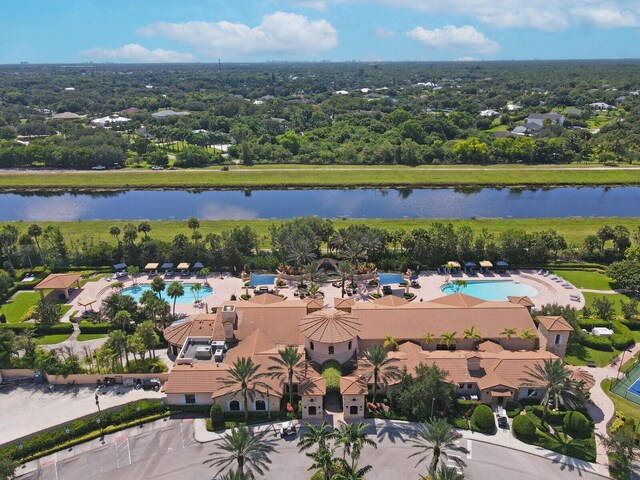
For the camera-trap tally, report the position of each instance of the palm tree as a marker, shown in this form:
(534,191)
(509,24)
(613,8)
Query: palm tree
(122,320)
(133,271)
(508,333)
(35,231)
(144,227)
(174,291)
(346,472)
(428,338)
(449,338)
(345,270)
(390,343)
(376,359)
(117,286)
(554,379)
(459,284)
(245,378)
(195,290)
(527,334)
(438,438)
(158,286)
(312,272)
(472,334)
(322,456)
(286,364)
(115,232)
(235,475)
(300,251)
(193,223)
(352,438)
(446,473)
(250,452)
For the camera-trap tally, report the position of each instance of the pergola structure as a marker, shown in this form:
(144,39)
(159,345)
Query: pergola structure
(61,282)
(87,303)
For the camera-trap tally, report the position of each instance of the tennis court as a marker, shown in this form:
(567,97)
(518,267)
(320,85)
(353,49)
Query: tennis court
(629,386)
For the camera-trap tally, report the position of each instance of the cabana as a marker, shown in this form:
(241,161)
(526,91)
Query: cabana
(485,265)
(198,266)
(151,268)
(61,282)
(120,267)
(184,268)
(87,303)
(167,268)
(469,267)
(501,266)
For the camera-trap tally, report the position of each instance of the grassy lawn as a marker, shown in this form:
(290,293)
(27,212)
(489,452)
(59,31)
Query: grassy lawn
(581,355)
(325,176)
(51,339)
(83,337)
(573,229)
(95,278)
(591,280)
(615,297)
(628,409)
(19,305)
(629,363)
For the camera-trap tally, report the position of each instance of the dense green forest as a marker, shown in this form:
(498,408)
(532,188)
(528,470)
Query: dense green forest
(353,113)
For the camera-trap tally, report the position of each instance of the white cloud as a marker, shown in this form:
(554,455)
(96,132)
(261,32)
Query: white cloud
(382,32)
(138,54)
(547,15)
(466,59)
(607,17)
(278,33)
(450,37)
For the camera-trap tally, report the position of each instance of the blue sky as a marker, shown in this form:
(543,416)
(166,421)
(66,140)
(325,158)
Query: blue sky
(52,31)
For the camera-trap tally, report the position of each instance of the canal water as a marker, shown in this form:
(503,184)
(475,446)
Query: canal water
(357,203)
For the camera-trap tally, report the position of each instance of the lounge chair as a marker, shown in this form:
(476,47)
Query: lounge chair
(567,285)
(545,274)
(552,277)
(575,298)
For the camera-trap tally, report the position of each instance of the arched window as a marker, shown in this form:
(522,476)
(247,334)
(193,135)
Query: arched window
(311,346)
(234,406)
(349,347)
(331,350)
(261,406)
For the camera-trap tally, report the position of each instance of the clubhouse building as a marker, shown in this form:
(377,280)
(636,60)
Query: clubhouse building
(489,368)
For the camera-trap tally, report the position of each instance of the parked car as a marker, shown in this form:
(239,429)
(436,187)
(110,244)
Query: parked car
(503,423)
(98,167)
(148,384)
(287,428)
(157,167)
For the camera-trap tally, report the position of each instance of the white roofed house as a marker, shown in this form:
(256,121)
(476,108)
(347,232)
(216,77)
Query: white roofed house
(110,120)
(489,113)
(601,106)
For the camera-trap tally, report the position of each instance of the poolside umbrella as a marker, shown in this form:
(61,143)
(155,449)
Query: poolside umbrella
(120,266)
(166,266)
(486,264)
(502,264)
(198,266)
(151,266)
(470,265)
(183,266)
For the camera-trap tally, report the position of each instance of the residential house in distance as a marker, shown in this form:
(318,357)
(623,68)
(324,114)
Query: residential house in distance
(601,106)
(110,120)
(168,113)
(492,369)
(489,113)
(534,122)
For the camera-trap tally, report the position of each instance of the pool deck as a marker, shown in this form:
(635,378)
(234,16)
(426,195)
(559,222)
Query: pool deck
(224,285)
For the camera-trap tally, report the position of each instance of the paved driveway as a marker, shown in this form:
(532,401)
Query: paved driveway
(168,450)
(28,409)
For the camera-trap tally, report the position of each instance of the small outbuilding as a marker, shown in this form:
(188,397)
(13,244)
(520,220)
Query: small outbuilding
(60,282)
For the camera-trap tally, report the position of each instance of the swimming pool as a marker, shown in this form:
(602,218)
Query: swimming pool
(188,297)
(390,278)
(492,289)
(257,280)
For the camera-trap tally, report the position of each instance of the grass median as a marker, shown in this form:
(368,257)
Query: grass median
(286,176)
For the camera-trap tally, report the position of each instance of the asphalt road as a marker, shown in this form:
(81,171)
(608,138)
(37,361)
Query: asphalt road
(172,452)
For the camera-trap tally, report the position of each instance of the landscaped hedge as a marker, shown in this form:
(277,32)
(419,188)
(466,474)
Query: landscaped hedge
(483,419)
(19,328)
(332,371)
(216,414)
(91,327)
(631,324)
(52,439)
(595,342)
(623,337)
(57,329)
(513,409)
(577,425)
(554,417)
(589,323)
(523,427)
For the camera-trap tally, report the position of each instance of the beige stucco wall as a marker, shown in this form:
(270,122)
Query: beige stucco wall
(348,401)
(91,379)
(547,341)
(485,396)
(312,401)
(320,353)
(273,402)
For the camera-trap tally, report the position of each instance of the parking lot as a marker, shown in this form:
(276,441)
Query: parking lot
(168,449)
(28,409)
